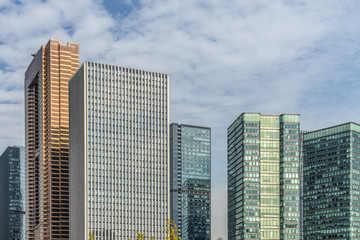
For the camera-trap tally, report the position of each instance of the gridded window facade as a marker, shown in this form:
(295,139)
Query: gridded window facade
(190,174)
(263,177)
(12,193)
(331,183)
(119,133)
(47,140)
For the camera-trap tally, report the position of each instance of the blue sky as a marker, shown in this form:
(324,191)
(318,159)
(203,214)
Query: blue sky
(224,58)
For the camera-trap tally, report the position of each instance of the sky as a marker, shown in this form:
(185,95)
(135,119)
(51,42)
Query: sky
(224,58)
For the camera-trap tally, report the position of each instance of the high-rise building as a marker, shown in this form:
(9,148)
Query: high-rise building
(47,140)
(190,175)
(119,155)
(332,183)
(12,193)
(263,177)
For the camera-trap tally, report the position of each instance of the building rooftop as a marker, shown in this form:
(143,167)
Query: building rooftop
(350,126)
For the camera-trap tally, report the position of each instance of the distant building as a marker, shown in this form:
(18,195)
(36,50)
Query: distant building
(119,155)
(12,194)
(47,140)
(263,177)
(190,186)
(332,183)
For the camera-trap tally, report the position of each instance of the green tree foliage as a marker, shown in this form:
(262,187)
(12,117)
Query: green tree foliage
(141,236)
(172,233)
(92,237)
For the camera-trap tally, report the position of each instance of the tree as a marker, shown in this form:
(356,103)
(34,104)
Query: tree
(92,237)
(172,233)
(142,236)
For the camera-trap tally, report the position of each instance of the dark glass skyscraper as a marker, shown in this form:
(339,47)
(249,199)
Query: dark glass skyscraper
(12,194)
(263,177)
(190,173)
(332,183)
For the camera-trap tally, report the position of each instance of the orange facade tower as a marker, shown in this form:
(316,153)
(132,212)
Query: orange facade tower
(47,140)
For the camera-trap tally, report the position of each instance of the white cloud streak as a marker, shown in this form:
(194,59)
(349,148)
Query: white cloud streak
(224,58)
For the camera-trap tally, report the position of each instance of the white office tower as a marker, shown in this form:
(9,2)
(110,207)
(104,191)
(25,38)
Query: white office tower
(119,157)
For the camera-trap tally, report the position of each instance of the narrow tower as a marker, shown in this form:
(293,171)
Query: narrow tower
(190,180)
(47,140)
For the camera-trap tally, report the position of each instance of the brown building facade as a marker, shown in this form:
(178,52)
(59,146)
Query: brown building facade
(47,140)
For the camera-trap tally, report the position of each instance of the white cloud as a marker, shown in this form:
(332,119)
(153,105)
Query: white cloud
(4,3)
(12,124)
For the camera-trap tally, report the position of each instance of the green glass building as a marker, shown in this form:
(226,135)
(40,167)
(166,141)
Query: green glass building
(263,177)
(331,185)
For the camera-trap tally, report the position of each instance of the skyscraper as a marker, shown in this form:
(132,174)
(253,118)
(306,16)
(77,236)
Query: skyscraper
(119,155)
(47,140)
(263,177)
(332,183)
(12,193)
(190,175)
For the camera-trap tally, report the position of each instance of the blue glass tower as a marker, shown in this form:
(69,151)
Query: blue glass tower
(190,173)
(12,194)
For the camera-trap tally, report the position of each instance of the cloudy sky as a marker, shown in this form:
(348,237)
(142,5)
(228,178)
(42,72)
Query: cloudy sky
(224,57)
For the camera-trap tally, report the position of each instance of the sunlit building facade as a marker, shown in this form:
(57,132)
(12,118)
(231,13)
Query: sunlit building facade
(12,193)
(263,177)
(190,180)
(119,155)
(47,140)
(332,183)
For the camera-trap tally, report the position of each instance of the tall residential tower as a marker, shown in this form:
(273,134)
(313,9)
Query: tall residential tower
(190,175)
(332,183)
(119,155)
(12,193)
(263,177)
(47,140)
